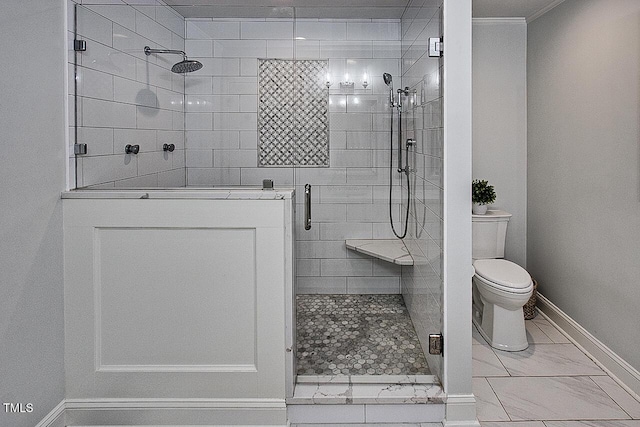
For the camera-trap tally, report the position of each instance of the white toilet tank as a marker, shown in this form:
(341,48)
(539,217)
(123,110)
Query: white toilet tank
(489,234)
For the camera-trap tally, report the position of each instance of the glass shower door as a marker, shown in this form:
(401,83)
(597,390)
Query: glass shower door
(127,107)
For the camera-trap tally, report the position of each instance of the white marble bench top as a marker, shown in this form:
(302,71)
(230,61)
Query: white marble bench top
(390,250)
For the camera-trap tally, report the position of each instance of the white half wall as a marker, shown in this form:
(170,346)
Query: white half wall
(584,166)
(500,121)
(32,171)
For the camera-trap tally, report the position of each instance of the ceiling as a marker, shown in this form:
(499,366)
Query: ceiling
(363,9)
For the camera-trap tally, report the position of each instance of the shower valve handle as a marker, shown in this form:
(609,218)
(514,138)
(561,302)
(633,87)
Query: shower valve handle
(169,147)
(132,149)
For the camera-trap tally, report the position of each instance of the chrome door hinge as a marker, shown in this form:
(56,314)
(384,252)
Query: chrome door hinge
(436,344)
(79,45)
(436,47)
(79,149)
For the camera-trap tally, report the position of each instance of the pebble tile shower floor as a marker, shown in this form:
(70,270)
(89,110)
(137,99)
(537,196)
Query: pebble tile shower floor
(357,335)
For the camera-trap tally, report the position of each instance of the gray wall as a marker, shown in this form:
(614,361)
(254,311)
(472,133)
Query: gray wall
(583,166)
(500,121)
(32,172)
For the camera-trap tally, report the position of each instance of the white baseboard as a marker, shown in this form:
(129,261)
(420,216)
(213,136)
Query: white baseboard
(622,372)
(167,412)
(461,411)
(54,418)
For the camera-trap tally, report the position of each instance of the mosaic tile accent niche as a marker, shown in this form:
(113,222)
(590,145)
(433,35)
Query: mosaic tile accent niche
(293,113)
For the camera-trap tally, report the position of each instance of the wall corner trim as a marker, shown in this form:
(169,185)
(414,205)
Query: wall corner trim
(621,371)
(499,21)
(54,416)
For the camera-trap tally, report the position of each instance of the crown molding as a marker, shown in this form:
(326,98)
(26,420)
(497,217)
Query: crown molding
(544,10)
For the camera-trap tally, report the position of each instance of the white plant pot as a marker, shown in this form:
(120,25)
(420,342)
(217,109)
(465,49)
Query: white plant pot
(479,209)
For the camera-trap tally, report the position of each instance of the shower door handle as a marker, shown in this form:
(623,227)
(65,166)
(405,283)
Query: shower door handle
(307,207)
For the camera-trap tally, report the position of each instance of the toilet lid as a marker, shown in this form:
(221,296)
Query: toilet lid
(503,272)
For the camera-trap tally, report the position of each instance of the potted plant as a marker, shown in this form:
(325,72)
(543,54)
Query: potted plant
(483,194)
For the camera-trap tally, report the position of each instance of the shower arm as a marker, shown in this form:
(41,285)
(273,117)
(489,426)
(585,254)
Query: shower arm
(148,51)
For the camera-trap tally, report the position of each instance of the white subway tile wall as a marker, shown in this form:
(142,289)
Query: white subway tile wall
(422,284)
(350,198)
(126,97)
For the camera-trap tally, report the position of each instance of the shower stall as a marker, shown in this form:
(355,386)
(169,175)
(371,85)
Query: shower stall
(275,121)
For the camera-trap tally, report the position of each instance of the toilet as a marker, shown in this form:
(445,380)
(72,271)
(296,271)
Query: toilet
(500,287)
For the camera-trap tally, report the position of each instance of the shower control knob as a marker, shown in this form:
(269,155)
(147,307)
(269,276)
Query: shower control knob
(169,147)
(410,142)
(132,149)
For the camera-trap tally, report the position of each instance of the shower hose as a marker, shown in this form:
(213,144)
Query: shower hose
(405,171)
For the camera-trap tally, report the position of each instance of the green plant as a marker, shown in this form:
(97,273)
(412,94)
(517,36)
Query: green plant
(482,192)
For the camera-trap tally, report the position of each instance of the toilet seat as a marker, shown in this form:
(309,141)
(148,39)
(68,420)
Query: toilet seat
(503,275)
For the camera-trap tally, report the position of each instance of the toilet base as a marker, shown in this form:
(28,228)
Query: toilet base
(502,329)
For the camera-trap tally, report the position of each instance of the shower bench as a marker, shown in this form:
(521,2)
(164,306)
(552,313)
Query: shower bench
(390,250)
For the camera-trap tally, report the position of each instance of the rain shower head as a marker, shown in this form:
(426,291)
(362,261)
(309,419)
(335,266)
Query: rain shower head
(185,66)
(388,80)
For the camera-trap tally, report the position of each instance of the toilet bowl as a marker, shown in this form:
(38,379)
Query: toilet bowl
(501,289)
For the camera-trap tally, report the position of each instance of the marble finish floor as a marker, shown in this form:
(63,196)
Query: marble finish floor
(551,384)
(357,335)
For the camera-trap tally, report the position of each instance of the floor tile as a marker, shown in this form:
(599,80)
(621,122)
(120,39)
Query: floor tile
(486,363)
(627,402)
(548,360)
(357,335)
(608,423)
(488,406)
(554,398)
(535,335)
(364,425)
(512,424)
(477,338)
(551,331)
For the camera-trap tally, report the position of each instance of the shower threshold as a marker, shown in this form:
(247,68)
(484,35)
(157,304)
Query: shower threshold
(365,402)
(366,390)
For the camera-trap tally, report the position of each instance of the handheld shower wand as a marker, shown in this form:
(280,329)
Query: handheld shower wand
(388,80)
